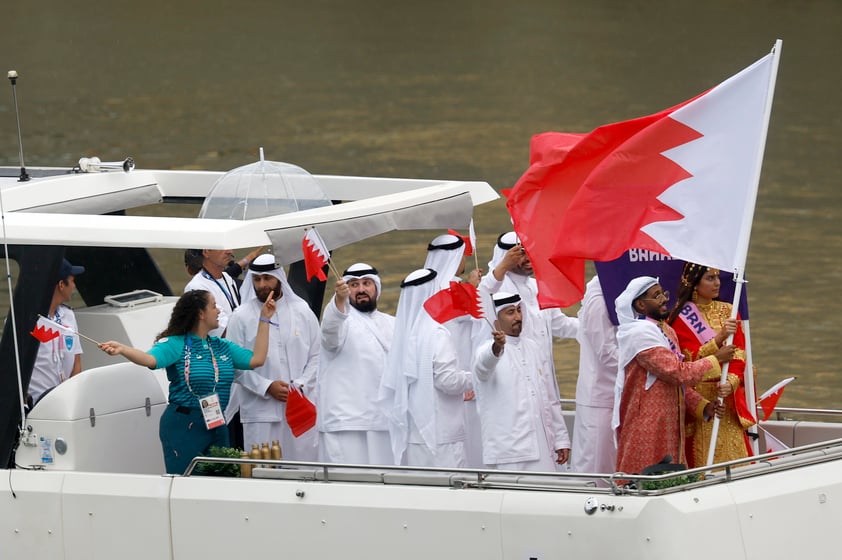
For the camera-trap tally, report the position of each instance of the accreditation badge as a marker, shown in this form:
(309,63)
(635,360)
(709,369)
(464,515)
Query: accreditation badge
(211,411)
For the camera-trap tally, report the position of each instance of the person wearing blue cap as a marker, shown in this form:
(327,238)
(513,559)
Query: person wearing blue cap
(59,358)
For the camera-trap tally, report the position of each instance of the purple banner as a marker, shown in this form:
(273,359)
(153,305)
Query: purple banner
(615,275)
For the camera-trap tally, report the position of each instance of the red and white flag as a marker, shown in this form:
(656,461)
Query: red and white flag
(316,255)
(43,333)
(47,329)
(769,400)
(455,301)
(773,444)
(649,183)
(300,412)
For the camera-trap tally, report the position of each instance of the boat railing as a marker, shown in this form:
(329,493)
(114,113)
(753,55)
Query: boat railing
(786,413)
(391,474)
(592,483)
(729,471)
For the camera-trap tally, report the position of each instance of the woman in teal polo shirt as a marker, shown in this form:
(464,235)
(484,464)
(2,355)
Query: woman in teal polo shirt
(200,369)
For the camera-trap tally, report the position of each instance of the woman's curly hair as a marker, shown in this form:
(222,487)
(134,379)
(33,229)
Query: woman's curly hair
(186,312)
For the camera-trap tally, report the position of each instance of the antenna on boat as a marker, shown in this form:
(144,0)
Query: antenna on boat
(24,176)
(13,77)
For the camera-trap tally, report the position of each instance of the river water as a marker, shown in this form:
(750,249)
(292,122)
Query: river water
(448,90)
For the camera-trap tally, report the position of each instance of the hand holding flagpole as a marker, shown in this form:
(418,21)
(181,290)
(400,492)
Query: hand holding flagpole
(735,308)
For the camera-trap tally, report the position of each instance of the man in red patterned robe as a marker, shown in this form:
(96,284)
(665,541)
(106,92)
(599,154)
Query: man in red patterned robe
(654,387)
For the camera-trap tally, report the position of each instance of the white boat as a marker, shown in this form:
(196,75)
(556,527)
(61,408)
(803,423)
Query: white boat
(87,479)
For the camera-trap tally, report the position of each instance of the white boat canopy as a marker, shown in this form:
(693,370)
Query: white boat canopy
(38,212)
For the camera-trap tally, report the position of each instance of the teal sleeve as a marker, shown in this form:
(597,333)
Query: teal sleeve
(239,355)
(167,351)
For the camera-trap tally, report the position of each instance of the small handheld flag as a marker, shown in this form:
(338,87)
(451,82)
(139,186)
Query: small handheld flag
(301,413)
(53,324)
(44,334)
(457,300)
(769,400)
(316,255)
(472,235)
(773,444)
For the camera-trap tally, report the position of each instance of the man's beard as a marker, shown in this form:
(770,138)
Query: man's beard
(365,306)
(658,315)
(263,294)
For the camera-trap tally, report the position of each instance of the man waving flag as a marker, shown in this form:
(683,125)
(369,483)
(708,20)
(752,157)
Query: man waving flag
(682,182)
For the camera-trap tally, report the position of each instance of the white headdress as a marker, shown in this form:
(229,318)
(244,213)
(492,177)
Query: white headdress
(362,270)
(503,300)
(624,302)
(505,241)
(265,264)
(444,255)
(409,363)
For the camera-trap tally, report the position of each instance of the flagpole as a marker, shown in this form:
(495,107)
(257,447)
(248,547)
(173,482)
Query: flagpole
(738,278)
(745,232)
(750,389)
(333,269)
(472,235)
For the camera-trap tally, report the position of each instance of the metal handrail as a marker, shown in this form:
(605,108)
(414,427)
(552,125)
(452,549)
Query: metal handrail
(779,410)
(618,483)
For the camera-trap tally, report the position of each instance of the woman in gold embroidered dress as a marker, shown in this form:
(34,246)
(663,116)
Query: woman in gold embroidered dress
(703,324)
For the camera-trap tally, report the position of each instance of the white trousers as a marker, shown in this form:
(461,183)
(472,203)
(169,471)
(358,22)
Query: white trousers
(356,447)
(447,455)
(473,435)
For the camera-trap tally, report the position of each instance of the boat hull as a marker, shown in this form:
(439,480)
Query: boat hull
(100,515)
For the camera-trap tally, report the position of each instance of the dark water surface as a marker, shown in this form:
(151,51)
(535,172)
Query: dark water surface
(449,90)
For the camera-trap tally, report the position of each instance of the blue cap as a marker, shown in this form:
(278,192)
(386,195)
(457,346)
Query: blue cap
(66,269)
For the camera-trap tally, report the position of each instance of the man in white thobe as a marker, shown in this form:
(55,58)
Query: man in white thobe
(293,358)
(355,340)
(422,389)
(446,255)
(593,438)
(520,411)
(510,270)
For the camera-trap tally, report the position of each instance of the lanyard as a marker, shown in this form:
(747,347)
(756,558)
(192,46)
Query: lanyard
(230,292)
(188,351)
